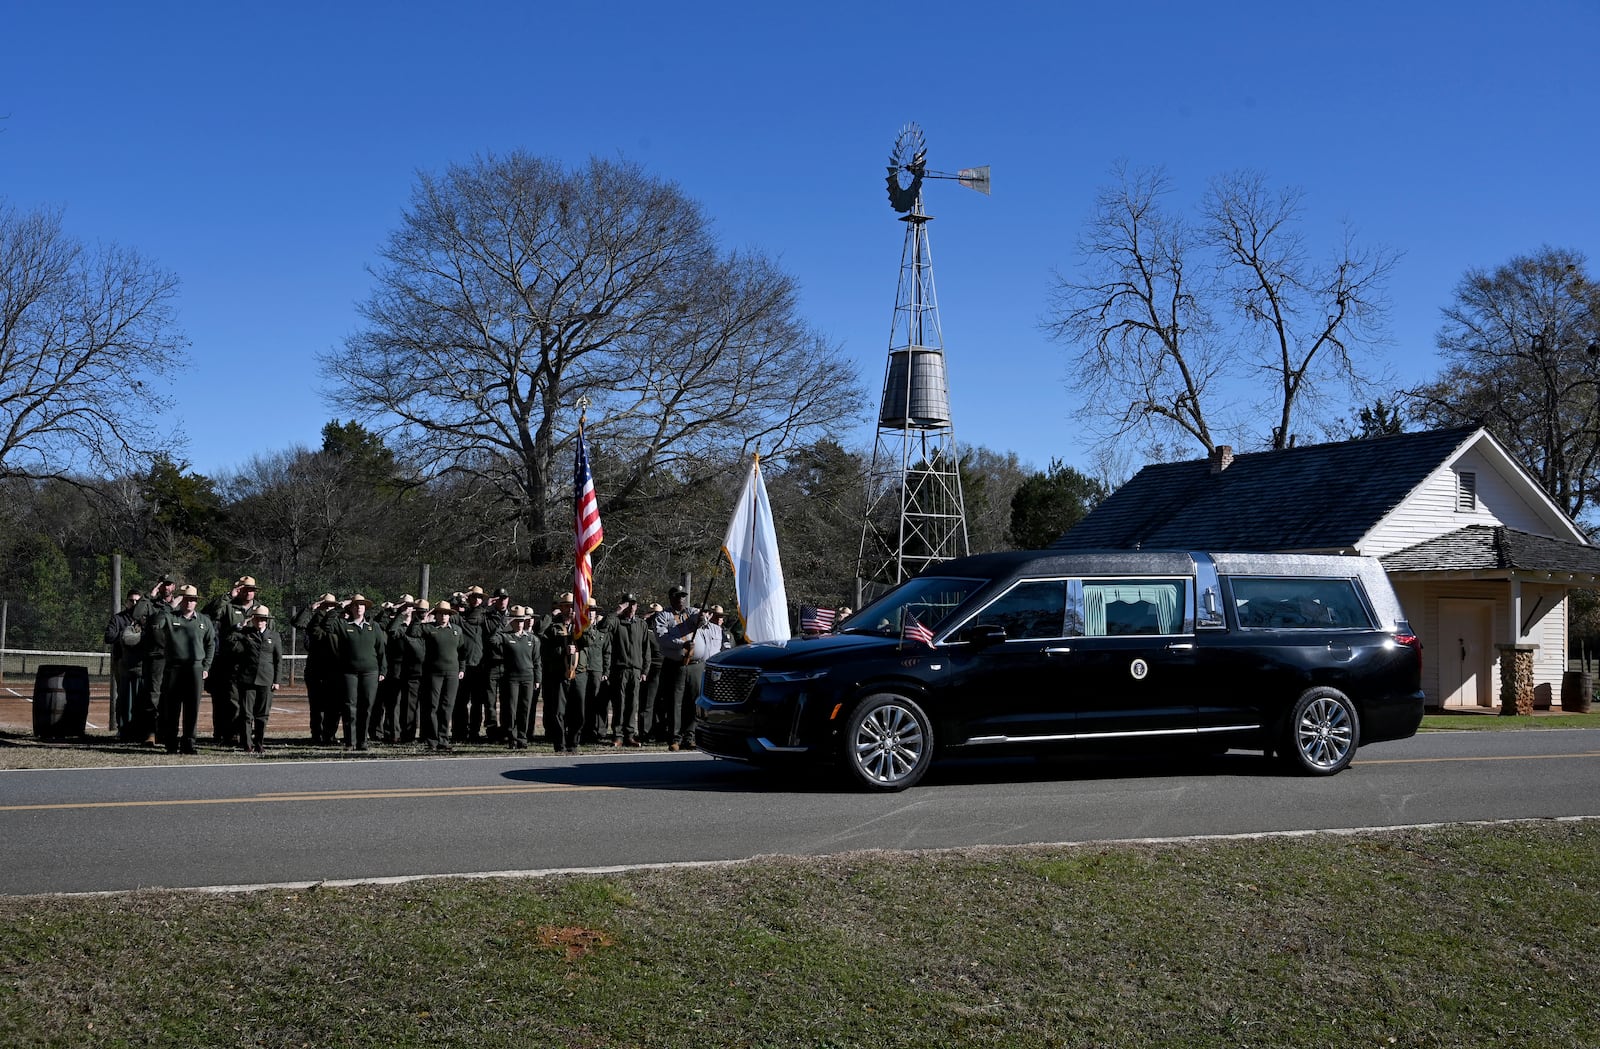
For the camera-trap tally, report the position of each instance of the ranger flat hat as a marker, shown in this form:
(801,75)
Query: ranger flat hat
(716,610)
(655,606)
(261,612)
(186,590)
(248,582)
(358,599)
(420,606)
(327,599)
(475,592)
(564,598)
(443,606)
(406,599)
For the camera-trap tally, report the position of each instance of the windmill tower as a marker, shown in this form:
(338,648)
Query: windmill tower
(915,516)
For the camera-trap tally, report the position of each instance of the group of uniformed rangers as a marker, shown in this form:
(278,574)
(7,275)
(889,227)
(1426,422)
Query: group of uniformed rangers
(168,651)
(469,669)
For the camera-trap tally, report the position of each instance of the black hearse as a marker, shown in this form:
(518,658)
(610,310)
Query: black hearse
(1304,656)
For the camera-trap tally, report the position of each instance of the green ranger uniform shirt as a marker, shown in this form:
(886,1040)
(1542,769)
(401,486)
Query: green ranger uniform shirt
(554,636)
(188,640)
(630,647)
(473,624)
(519,656)
(444,648)
(360,646)
(411,646)
(594,651)
(150,615)
(257,656)
(322,653)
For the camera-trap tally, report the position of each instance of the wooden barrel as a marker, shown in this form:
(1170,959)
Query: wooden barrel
(60,701)
(1577,690)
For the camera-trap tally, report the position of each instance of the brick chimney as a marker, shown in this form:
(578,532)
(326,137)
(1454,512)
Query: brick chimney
(1221,459)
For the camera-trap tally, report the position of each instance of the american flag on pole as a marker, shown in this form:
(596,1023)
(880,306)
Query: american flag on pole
(815,620)
(588,534)
(915,631)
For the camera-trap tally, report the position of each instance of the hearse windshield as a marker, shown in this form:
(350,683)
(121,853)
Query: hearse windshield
(927,600)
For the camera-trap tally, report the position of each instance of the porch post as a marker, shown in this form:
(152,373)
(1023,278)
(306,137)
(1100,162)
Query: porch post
(1516,679)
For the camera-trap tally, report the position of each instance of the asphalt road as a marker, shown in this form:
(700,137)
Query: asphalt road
(287,822)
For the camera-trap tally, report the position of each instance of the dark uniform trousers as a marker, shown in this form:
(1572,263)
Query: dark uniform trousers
(255,707)
(686,689)
(359,691)
(381,723)
(408,699)
(482,698)
(627,686)
(663,714)
(129,686)
(332,692)
(438,705)
(180,700)
(563,711)
(596,700)
(517,697)
(224,695)
(150,688)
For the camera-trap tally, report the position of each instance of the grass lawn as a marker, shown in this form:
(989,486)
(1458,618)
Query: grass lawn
(1496,723)
(1461,936)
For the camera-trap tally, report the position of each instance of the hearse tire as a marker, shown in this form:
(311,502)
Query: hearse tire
(1321,734)
(888,743)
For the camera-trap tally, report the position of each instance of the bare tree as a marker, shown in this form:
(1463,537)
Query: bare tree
(83,335)
(1142,323)
(514,286)
(1173,321)
(1306,318)
(1522,345)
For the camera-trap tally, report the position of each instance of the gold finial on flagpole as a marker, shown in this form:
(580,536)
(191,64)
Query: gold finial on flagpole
(583,408)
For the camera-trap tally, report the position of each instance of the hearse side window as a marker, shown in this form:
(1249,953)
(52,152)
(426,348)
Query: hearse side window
(1034,609)
(1119,607)
(1298,604)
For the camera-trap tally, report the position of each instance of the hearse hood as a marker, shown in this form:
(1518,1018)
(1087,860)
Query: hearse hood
(798,652)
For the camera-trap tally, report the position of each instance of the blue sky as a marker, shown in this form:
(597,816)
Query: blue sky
(264,152)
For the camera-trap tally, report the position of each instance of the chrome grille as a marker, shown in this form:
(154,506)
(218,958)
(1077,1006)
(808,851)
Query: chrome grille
(730,684)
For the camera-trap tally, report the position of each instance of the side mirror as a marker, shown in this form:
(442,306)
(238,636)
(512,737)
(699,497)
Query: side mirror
(982,635)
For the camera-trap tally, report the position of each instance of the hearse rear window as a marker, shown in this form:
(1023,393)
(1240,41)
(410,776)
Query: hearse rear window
(1298,604)
(1121,607)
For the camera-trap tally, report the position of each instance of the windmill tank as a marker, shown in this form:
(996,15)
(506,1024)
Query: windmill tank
(916,395)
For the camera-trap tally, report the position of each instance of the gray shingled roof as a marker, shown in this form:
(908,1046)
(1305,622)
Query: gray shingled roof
(1316,497)
(1494,547)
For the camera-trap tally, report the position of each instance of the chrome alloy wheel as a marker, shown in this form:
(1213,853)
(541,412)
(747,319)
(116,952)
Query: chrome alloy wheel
(889,744)
(1325,733)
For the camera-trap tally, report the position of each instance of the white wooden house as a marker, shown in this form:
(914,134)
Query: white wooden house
(1482,559)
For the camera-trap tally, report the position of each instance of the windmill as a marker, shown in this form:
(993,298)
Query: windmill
(915,516)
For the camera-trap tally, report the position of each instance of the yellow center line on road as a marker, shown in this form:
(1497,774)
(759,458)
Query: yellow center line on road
(1497,757)
(331,795)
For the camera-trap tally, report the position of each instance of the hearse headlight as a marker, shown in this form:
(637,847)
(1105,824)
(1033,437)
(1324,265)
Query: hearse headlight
(793,676)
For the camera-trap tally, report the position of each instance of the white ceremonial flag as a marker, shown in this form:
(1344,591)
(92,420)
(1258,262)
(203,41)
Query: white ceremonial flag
(751,548)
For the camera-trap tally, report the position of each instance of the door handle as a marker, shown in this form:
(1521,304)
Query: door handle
(1059,651)
(1181,646)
